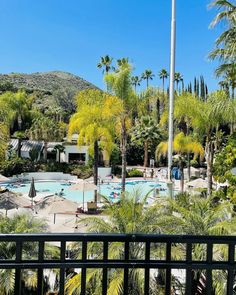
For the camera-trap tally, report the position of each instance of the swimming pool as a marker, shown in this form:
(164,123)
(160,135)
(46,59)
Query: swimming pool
(111,189)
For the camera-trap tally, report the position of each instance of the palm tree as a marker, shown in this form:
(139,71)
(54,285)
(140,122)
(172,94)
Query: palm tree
(135,82)
(120,84)
(163,75)
(206,118)
(147,75)
(228,71)
(182,145)
(194,215)
(129,216)
(17,224)
(225,44)
(59,149)
(146,132)
(94,121)
(178,79)
(106,63)
(123,61)
(47,130)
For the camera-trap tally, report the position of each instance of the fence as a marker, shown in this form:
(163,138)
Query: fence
(176,258)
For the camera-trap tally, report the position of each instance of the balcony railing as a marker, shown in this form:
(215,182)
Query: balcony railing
(173,255)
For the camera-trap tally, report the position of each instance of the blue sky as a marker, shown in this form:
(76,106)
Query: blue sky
(71,36)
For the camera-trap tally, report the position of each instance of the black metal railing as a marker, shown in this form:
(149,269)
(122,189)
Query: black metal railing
(176,256)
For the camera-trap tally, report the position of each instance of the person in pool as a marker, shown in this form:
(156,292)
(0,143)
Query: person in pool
(61,192)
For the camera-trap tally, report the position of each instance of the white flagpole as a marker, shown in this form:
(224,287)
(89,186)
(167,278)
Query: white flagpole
(171,95)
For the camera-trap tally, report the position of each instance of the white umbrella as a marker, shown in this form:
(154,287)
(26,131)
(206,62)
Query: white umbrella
(84,187)
(3,178)
(197,183)
(62,206)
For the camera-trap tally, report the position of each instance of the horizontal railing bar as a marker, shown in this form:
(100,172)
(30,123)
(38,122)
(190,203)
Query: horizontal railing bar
(107,264)
(70,237)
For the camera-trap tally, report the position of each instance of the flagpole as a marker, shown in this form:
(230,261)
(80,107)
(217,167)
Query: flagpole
(171,96)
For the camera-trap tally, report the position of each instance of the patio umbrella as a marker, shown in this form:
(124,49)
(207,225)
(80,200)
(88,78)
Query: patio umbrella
(84,187)
(32,191)
(62,206)
(197,183)
(10,200)
(3,178)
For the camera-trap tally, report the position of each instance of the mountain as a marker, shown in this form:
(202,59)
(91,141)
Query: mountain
(51,89)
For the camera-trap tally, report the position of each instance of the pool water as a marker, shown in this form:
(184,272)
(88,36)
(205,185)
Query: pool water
(111,190)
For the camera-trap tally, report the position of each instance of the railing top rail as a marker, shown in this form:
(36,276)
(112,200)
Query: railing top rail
(116,237)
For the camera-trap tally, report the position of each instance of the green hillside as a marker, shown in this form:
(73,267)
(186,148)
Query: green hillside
(51,89)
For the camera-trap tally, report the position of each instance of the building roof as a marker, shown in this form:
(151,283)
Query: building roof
(27,145)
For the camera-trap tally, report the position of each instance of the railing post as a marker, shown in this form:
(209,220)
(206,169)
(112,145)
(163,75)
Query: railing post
(147,269)
(126,269)
(62,270)
(40,270)
(83,270)
(18,270)
(189,269)
(168,269)
(230,279)
(209,270)
(104,278)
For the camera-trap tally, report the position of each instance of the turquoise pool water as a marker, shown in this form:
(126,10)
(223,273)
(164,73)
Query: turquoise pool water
(111,190)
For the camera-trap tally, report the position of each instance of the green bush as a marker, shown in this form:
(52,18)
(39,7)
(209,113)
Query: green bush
(135,173)
(82,171)
(16,166)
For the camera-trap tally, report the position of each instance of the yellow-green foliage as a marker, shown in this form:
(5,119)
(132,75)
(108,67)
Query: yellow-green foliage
(4,136)
(182,144)
(95,119)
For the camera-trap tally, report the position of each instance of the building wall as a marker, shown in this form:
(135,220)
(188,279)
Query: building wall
(74,149)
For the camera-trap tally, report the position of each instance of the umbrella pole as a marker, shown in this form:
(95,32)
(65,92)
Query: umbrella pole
(54,219)
(83,201)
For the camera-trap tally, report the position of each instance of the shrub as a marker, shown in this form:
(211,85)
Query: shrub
(135,173)
(16,166)
(82,171)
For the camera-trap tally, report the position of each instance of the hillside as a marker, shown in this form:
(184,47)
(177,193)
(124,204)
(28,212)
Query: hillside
(52,89)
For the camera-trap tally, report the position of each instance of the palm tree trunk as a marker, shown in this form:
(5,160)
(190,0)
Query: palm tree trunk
(147,83)
(123,154)
(145,164)
(95,168)
(45,152)
(19,147)
(181,176)
(209,152)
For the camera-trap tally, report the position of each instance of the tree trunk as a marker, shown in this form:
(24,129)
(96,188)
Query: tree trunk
(145,164)
(45,152)
(158,110)
(147,83)
(209,153)
(95,168)
(123,154)
(189,168)
(181,167)
(19,147)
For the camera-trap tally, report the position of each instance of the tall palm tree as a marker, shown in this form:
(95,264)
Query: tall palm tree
(182,145)
(225,44)
(122,61)
(135,82)
(94,121)
(147,75)
(146,132)
(228,71)
(105,63)
(120,84)
(163,75)
(178,79)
